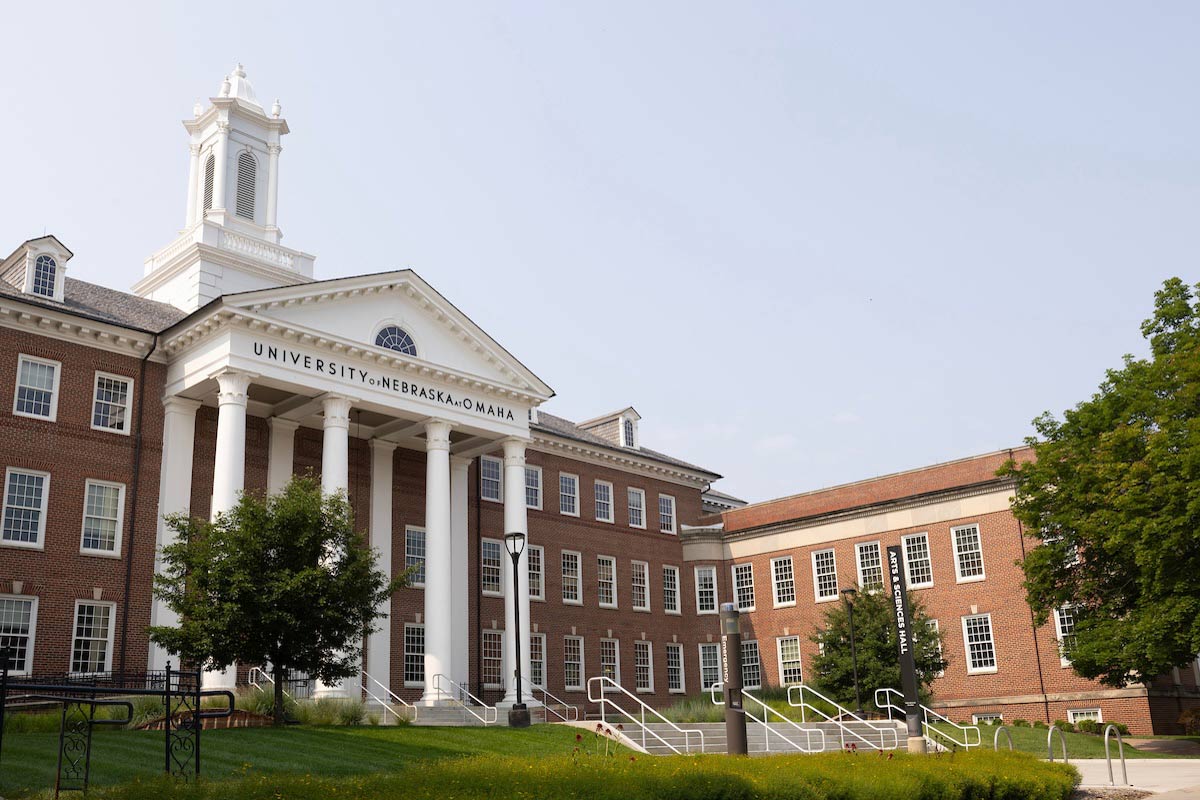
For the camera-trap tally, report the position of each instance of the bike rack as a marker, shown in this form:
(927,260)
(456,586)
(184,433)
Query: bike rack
(996,738)
(1110,728)
(1062,740)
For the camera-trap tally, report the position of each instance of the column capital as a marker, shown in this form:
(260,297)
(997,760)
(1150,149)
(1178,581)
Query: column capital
(174,404)
(437,434)
(232,386)
(281,424)
(274,149)
(337,411)
(460,463)
(382,446)
(514,450)
(194,149)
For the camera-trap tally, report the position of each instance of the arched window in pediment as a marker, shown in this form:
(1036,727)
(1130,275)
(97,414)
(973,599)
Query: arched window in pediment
(393,337)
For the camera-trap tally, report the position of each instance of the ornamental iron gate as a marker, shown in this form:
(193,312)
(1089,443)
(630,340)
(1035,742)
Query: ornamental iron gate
(80,695)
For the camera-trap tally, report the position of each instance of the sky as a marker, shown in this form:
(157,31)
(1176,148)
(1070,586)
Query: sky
(809,242)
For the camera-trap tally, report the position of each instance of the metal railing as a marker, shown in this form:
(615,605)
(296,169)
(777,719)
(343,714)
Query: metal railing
(1062,740)
(883,731)
(882,700)
(606,686)
(293,688)
(569,712)
(457,693)
(996,738)
(393,698)
(1110,728)
(717,690)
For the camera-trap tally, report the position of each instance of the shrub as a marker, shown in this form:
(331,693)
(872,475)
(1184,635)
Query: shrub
(1020,723)
(330,711)
(1190,720)
(1121,727)
(1039,724)
(1064,726)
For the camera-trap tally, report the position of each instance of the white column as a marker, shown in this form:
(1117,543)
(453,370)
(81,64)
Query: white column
(460,560)
(439,591)
(379,643)
(220,167)
(174,497)
(516,520)
(335,477)
(193,184)
(282,453)
(272,182)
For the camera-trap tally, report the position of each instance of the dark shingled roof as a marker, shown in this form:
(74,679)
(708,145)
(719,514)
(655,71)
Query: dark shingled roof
(569,430)
(105,305)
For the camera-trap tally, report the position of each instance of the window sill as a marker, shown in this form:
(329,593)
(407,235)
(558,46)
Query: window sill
(918,586)
(788,604)
(569,514)
(414,685)
(972,579)
(644,691)
(641,610)
(38,545)
(606,521)
(984,671)
(106,430)
(748,610)
(572,602)
(831,599)
(706,613)
(677,691)
(27,415)
(637,527)
(673,613)
(490,593)
(613,606)
(100,554)
(486,499)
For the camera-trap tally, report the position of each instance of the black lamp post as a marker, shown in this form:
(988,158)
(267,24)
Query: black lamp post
(518,715)
(848,595)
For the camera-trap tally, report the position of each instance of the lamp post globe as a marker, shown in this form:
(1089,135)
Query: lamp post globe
(518,715)
(848,595)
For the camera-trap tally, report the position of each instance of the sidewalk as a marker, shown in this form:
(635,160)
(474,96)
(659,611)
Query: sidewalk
(1151,774)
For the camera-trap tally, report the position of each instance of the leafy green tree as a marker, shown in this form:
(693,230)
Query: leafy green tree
(283,579)
(1114,500)
(877,648)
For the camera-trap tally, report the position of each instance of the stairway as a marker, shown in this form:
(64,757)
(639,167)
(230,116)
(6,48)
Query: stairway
(781,738)
(455,716)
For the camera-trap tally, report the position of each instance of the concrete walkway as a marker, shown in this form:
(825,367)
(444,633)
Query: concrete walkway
(1152,774)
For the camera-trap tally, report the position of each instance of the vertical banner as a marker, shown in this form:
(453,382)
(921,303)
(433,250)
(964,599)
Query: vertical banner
(908,665)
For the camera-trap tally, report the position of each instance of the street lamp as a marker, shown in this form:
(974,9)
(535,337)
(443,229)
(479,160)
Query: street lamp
(848,595)
(518,715)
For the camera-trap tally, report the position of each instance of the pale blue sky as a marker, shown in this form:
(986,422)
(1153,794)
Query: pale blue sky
(810,243)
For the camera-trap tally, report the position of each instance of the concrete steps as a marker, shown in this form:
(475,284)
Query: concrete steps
(774,738)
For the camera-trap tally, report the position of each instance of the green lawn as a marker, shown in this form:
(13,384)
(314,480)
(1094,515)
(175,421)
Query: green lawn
(1033,740)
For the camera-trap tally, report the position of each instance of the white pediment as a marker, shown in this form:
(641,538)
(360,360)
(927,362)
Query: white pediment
(353,310)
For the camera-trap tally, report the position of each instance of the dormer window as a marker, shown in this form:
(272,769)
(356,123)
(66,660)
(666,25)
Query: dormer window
(45,271)
(628,433)
(393,337)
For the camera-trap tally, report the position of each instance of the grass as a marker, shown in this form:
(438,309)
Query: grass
(1033,740)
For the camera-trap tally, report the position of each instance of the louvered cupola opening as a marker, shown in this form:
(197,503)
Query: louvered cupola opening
(245,186)
(209,168)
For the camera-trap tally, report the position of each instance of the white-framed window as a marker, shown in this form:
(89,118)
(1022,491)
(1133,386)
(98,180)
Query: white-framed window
(666,513)
(743,586)
(414,553)
(568,494)
(36,395)
(610,660)
(25,496)
(45,274)
(1064,629)
(628,432)
(643,666)
(103,512)
(535,556)
(710,665)
(825,582)
(491,567)
(572,582)
(918,566)
(1078,715)
(110,403)
(671,590)
(639,582)
(751,666)
(637,508)
(790,669)
(491,479)
(675,673)
(968,553)
(533,488)
(978,643)
(991,718)
(537,659)
(706,590)
(783,581)
(604,501)
(414,655)
(573,663)
(937,627)
(493,659)
(870,565)
(606,581)
(18,631)
(91,644)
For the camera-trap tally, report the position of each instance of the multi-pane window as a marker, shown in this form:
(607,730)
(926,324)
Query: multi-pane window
(91,645)
(414,554)
(102,509)
(825,583)
(710,665)
(637,508)
(790,670)
(25,495)
(987,719)
(935,627)
(572,585)
(968,553)
(568,495)
(640,586)
(491,472)
(535,557)
(627,432)
(18,619)
(533,487)
(670,591)
(706,590)
(643,666)
(537,659)
(573,663)
(1080,714)
(666,513)
(44,274)
(675,679)
(610,659)
(743,586)
(493,658)
(870,565)
(751,666)
(110,403)
(977,640)
(604,504)
(37,388)
(606,581)
(918,565)
(491,564)
(414,654)
(783,581)
(1064,625)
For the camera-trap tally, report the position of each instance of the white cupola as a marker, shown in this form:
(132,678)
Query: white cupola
(231,228)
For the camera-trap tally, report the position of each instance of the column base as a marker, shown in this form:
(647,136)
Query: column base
(225,679)
(917,744)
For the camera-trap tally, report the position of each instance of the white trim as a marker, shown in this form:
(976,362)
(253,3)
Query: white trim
(958,576)
(541,487)
(967,646)
(578,578)
(404,656)
(599,582)
(574,478)
(483,635)
(779,640)
(425,546)
(682,669)
(678,609)
(108,649)
(541,593)
(40,544)
(858,561)
(716,594)
(116,551)
(542,661)
(33,609)
(1058,634)
(499,498)
(53,417)
(733,571)
(572,687)
(128,403)
(908,581)
(674,515)
(633,568)
(987,717)
(649,647)
(775,583)
(490,592)
(616,643)
(758,650)
(1072,712)
(817,596)
(612,513)
(700,663)
(630,491)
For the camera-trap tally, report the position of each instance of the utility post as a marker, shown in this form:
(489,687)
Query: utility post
(731,663)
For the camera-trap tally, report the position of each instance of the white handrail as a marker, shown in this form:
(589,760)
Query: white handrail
(570,712)
(489,715)
(926,713)
(607,685)
(842,712)
(395,698)
(263,675)
(717,690)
